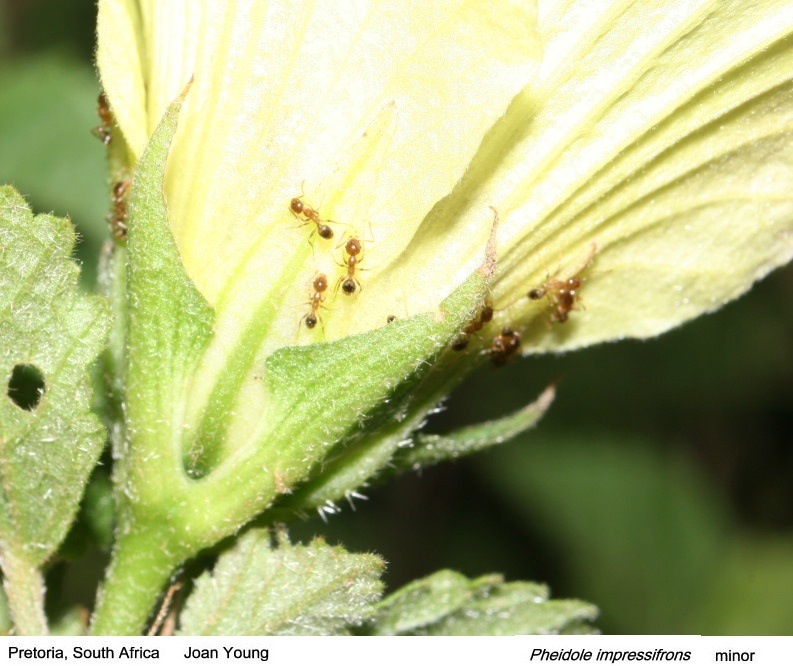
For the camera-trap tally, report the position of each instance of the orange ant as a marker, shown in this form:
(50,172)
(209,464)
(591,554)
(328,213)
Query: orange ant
(504,345)
(320,285)
(562,294)
(118,220)
(307,214)
(485,316)
(103,132)
(353,251)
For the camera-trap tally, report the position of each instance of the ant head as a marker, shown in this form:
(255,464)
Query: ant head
(320,282)
(353,247)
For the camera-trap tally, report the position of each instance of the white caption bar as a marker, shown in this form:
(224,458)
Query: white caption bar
(364,651)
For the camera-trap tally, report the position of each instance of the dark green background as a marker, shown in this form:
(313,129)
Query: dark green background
(658,487)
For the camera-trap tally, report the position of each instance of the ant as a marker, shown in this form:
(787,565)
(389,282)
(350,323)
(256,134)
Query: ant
(320,285)
(485,316)
(307,214)
(103,132)
(460,342)
(353,251)
(562,294)
(118,220)
(504,345)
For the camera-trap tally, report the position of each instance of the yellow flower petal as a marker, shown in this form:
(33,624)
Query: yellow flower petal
(372,111)
(666,140)
(120,57)
(657,132)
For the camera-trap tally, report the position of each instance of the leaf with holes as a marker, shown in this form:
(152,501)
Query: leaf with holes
(50,333)
(284,590)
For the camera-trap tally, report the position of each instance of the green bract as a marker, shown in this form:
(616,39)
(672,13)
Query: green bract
(185,484)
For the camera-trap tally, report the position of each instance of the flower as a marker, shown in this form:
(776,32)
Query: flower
(343,104)
(665,149)
(637,156)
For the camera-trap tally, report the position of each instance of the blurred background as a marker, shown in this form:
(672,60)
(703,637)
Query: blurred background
(658,486)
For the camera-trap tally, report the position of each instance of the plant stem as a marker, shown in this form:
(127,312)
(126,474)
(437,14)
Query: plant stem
(139,570)
(24,587)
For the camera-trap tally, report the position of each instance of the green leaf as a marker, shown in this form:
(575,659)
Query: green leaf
(424,602)
(49,439)
(283,590)
(430,449)
(449,604)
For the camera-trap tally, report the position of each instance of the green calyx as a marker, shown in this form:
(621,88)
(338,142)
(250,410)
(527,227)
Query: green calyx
(321,399)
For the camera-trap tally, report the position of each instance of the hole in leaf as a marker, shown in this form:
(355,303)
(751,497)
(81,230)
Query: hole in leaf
(26,386)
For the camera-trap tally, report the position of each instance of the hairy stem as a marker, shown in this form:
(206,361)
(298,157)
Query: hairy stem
(138,572)
(24,588)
